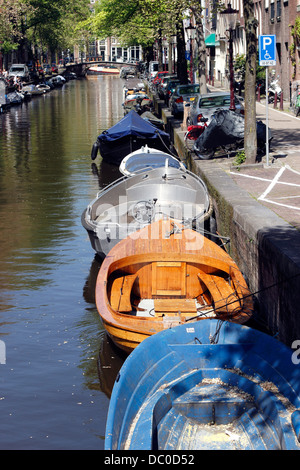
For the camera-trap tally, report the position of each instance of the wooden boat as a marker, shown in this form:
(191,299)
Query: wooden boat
(131,203)
(208,385)
(165,275)
(147,158)
(128,135)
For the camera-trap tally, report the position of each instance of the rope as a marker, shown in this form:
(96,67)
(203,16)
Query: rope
(164,144)
(276,284)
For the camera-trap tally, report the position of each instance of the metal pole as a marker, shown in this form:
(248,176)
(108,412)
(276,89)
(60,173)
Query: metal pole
(191,63)
(267,117)
(231,76)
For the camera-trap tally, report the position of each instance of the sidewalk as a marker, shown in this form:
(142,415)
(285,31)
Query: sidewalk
(276,183)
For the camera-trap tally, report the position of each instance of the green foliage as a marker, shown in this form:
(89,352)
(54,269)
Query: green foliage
(296,29)
(240,66)
(295,33)
(138,21)
(47,23)
(240,158)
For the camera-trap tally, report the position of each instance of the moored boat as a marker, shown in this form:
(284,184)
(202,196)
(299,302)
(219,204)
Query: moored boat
(103,70)
(129,134)
(208,385)
(130,203)
(147,158)
(164,275)
(138,101)
(35,89)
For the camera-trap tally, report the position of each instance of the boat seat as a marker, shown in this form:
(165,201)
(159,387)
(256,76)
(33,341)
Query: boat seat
(224,297)
(120,293)
(171,307)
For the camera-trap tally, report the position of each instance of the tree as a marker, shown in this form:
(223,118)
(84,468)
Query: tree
(51,24)
(140,22)
(11,31)
(250,135)
(200,41)
(46,23)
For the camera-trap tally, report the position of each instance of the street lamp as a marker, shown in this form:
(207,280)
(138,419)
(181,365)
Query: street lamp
(230,17)
(173,42)
(191,35)
(164,44)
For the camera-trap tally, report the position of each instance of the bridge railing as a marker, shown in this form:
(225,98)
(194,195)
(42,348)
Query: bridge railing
(97,60)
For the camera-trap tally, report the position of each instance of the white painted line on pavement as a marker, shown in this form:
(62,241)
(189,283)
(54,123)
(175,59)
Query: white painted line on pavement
(250,176)
(278,111)
(273,182)
(265,179)
(283,205)
(271,186)
(287,197)
(295,171)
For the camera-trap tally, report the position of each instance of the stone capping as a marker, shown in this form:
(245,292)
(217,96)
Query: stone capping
(265,247)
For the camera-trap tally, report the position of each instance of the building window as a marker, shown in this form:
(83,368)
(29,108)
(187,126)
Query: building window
(278,10)
(272,12)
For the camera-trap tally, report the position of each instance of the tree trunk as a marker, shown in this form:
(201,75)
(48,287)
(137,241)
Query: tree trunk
(181,59)
(160,53)
(250,136)
(200,41)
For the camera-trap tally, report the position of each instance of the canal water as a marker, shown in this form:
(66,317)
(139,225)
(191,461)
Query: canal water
(56,365)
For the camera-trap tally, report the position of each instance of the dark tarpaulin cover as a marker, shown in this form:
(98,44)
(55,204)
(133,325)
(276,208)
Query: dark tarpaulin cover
(227,127)
(131,125)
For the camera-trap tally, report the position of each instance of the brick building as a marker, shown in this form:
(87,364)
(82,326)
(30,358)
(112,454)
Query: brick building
(276,17)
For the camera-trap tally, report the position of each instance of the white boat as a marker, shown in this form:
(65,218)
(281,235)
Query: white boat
(103,70)
(147,158)
(35,89)
(131,203)
(43,87)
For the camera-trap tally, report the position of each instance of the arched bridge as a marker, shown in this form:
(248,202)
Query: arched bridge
(81,68)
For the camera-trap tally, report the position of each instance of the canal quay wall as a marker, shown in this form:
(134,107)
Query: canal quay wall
(264,246)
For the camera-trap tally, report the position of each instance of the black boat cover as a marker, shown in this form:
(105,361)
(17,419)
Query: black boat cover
(131,125)
(225,128)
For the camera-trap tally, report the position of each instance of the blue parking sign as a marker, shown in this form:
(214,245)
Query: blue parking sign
(267,49)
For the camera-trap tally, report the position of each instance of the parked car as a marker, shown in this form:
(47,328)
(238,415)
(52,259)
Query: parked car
(169,90)
(19,70)
(163,84)
(54,68)
(153,69)
(205,106)
(182,93)
(159,76)
(47,69)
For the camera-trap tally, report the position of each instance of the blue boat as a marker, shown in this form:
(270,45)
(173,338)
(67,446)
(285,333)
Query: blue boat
(128,135)
(207,385)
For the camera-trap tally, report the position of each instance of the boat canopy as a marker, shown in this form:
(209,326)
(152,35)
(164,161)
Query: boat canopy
(131,125)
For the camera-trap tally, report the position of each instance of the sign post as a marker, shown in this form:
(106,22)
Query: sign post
(267,57)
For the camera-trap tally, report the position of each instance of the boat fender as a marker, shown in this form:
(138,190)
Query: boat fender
(296,423)
(94,151)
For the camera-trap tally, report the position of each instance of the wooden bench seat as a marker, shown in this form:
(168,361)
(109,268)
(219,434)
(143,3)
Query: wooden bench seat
(186,307)
(224,296)
(120,293)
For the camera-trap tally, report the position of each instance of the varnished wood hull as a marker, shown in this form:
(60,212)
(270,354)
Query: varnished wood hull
(181,275)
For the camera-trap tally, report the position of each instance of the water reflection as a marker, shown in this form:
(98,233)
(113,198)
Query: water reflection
(105,173)
(110,358)
(50,396)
